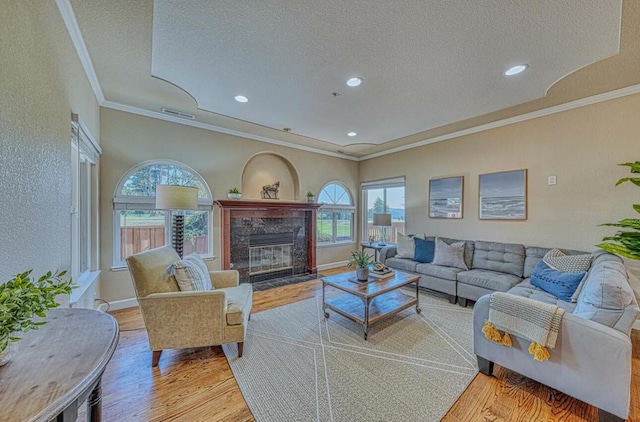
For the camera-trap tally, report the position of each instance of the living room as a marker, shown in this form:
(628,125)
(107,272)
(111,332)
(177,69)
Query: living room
(88,58)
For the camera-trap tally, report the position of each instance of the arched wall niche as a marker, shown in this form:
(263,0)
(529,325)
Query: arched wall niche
(266,168)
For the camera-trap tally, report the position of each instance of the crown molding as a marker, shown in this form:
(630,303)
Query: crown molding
(611,95)
(71,23)
(206,126)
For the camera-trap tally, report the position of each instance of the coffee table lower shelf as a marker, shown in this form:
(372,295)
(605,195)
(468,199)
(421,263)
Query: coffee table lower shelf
(358,310)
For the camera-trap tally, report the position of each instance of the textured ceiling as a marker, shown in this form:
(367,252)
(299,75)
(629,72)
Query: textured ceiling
(429,68)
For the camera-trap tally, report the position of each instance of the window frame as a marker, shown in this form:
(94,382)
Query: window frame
(132,202)
(85,153)
(384,184)
(336,209)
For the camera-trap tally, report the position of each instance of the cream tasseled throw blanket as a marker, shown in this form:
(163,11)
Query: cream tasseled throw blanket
(525,318)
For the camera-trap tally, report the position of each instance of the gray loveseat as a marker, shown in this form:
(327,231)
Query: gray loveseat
(592,357)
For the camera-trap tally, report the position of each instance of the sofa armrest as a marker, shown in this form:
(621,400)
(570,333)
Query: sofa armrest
(184,319)
(591,362)
(225,278)
(388,251)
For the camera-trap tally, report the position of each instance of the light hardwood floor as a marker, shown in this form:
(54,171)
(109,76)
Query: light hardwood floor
(198,385)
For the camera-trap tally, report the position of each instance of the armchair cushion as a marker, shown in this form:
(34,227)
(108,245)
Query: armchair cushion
(238,303)
(189,276)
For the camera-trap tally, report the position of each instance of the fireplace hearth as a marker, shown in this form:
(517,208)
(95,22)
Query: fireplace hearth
(266,240)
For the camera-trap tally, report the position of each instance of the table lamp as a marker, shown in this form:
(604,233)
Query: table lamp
(177,198)
(383,220)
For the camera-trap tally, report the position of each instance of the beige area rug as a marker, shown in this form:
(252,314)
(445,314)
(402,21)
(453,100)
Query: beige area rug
(299,366)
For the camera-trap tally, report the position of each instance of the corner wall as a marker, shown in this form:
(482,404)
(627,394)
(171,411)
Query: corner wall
(129,139)
(43,82)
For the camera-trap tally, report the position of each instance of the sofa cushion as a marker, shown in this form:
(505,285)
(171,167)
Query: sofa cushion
(448,273)
(405,246)
(607,297)
(501,257)
(560,261)
(450,255)
(492,280)
(558,283)
(534,254)
(197,259)
(468,249)
(526,289)
(424,250)
(238,303)
(401,264)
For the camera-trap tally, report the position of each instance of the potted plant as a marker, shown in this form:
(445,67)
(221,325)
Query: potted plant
(310,196)
(234,193)
(361,261)
(21,301)
(625,243)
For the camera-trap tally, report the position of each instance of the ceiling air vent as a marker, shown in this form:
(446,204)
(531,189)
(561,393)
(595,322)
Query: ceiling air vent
(178,114)
(344,152)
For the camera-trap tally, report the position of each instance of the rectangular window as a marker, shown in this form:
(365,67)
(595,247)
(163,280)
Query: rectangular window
(84,157)
(383,196)
(334,225)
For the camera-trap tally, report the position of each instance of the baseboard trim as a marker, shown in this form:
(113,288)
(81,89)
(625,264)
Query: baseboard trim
(332,265)
(119,304)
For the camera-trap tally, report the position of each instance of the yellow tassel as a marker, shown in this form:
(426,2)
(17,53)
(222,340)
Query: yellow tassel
(506,340)
(491,333)
(539,352)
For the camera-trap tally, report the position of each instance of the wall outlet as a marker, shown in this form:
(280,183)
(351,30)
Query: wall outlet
(551,180)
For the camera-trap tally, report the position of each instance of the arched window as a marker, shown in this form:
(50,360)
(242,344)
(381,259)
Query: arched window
(138,226)
(334,222)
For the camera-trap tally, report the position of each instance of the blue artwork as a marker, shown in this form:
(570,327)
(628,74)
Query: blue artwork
(503,196)
(445,197)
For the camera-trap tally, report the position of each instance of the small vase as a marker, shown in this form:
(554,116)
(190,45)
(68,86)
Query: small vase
(234,195)
(362,273)
(311,198)
(8,353)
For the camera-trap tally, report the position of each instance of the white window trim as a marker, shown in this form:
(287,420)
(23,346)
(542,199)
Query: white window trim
(124,202)
(83,148)
(337,208)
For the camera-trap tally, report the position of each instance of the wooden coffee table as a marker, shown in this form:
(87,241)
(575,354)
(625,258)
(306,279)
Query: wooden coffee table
(367,303)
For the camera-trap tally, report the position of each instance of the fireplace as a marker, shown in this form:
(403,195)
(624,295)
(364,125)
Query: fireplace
(270,256)
(265,240)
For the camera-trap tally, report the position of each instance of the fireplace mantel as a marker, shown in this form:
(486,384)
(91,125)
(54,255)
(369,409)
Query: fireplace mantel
(261,209)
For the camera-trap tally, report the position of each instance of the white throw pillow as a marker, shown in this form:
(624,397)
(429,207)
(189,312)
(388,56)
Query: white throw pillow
(405,246)
(197,259)
(449,255)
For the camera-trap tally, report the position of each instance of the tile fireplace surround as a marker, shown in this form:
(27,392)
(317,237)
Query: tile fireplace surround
(266,240)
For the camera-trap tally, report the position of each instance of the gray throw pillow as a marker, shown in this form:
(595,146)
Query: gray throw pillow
(449,255)
(562,262)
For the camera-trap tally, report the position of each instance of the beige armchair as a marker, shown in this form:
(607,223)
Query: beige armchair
(176,319)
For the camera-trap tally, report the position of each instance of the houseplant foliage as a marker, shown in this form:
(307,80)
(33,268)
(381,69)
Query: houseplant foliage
(626,243)
(22,299)
(361,261)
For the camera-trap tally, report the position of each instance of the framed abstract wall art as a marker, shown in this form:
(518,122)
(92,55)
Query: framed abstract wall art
(445,197)
(503,195)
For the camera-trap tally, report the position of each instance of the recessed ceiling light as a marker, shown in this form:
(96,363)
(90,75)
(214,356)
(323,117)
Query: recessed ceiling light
(241,99)
(354,81)
(351,134)
(516,69)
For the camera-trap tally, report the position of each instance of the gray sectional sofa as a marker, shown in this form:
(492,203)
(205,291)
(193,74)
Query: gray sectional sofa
(592,357)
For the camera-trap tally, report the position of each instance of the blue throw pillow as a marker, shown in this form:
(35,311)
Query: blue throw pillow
(424,250)
(561,285)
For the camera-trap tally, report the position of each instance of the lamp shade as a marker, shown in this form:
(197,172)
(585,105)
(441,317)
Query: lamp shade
(383,219)
(172,197)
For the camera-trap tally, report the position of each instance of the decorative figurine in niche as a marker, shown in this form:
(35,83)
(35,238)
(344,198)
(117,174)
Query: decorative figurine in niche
(270,191)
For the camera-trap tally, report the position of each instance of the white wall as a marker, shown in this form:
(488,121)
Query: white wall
(42,83)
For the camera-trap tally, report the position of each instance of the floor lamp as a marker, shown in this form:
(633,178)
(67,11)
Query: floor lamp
(383,220)
(177,199)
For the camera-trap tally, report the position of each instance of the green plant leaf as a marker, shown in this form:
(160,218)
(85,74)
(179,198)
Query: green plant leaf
(619,250)
(634,167)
